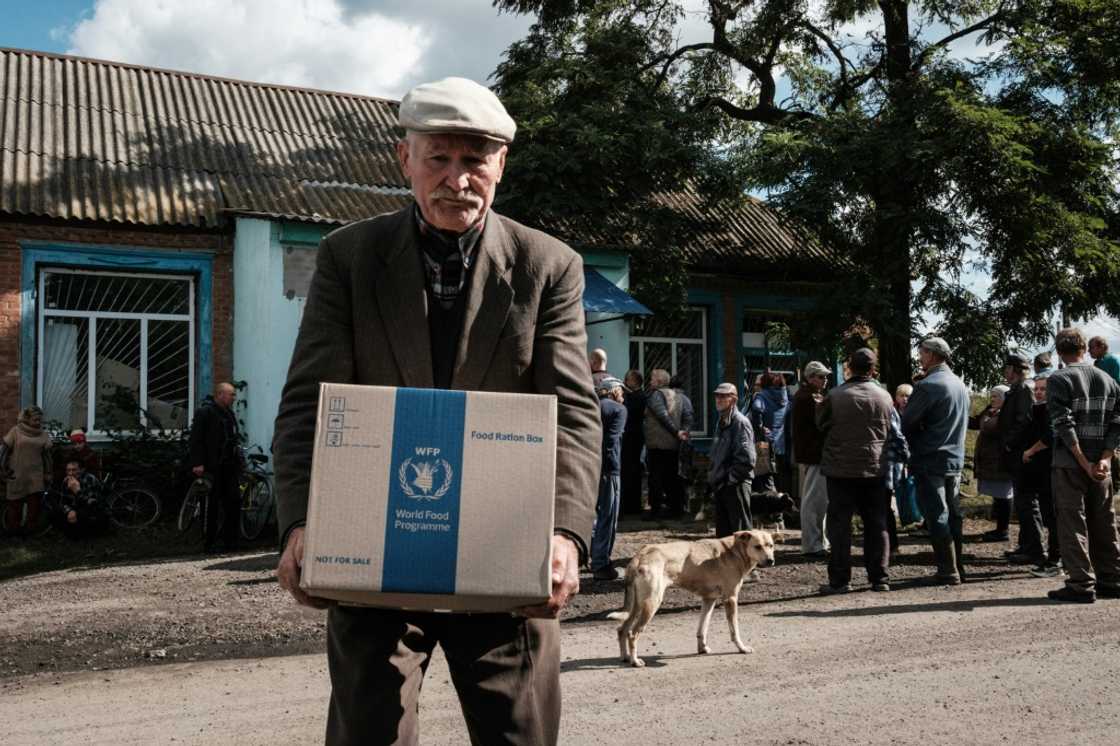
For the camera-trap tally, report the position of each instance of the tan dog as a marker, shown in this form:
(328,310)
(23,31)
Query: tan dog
(713,569)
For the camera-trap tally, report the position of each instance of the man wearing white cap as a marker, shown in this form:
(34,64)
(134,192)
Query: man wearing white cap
(732,464)
(446,294)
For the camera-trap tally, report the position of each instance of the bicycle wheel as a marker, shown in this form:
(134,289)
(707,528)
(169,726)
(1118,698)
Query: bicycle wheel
(133,507)
(256,507)
(191,509)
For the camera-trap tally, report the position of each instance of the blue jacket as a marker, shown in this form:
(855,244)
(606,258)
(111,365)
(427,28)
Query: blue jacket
(935,422)
(613,416)
(769,408)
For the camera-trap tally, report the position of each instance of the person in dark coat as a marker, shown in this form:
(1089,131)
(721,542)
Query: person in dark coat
(807,444)
(83,512)
(633,441)
(215,450)
(614,416)
(1037,461)
(732,464)
(993,478)
(1017,435)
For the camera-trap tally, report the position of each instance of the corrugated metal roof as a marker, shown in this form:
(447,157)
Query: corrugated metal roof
(93,140)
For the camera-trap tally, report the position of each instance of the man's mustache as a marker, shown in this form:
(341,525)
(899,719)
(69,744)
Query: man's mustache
(465,196)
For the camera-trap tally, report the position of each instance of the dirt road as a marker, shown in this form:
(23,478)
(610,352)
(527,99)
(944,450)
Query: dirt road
(990,662)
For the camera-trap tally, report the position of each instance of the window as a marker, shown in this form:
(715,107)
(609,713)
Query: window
(679,346)
(113,343)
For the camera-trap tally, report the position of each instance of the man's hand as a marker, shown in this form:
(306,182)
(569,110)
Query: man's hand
(683,435)
(72,517)
(290,568)
(565,579)
(73,485)
(1102,470)
(198,471)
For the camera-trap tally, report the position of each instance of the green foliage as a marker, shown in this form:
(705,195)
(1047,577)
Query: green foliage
(907,160)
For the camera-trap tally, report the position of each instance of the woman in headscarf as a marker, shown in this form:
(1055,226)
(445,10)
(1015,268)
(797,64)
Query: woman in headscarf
(992,479)
(26,462)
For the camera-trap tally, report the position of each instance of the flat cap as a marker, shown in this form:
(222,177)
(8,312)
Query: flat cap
(815,368)
(726,388)
(456,105)
(1017,360)
(863,358)
(608,384)
(938,346)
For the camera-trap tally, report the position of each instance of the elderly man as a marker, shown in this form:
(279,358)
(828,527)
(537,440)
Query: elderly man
(935,422)
(732,464)
(83,511)
(1016,436)
(668,419)
(856,421)
(807,444)
(446,293)
(612,412)
(215,450)
(1084,407)
(1103,359)
(597,361)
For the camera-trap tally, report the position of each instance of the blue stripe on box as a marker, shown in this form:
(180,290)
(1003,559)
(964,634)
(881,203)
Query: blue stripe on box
(422,525)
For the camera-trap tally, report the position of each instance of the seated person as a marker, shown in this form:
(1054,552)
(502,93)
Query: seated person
(82,512)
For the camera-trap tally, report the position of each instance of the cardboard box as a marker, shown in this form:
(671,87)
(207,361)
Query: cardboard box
(429,499)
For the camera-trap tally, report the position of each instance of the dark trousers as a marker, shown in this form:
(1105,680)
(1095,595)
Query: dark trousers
(733,509)
(506,671)
(89,523)
(631,475)
(223,505)
(845,498)
(1030,517)
(665,487)
(1043,496)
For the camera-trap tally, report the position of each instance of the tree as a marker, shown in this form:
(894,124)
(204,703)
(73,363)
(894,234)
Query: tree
(910,160)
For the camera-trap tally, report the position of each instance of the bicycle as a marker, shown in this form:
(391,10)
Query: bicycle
(50,501)
(191,509)
(131,505)
(257,501)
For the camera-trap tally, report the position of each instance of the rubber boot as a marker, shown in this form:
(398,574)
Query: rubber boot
(945,554)
(958,551)
(1001,514)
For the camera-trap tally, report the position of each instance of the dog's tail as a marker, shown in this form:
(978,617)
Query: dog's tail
(621,616)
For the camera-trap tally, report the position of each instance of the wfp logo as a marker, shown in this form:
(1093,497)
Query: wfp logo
(418,478)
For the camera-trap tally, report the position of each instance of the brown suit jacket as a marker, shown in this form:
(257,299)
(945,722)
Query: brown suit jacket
(365,322)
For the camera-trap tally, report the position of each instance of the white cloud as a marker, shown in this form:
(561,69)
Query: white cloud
(313,43)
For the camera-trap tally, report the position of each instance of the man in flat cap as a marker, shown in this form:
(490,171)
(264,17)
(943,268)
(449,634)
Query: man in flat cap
(446,293)
(935,422)
(732,468)
(1016,435)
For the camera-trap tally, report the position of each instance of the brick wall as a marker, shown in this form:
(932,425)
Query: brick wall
(13,232)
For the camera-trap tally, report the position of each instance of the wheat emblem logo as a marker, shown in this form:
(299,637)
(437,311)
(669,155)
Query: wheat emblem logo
(419,483)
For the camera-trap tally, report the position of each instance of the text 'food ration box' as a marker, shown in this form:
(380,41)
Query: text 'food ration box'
(430,499)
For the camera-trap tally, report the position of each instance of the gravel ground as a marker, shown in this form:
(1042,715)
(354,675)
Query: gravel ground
(152,612)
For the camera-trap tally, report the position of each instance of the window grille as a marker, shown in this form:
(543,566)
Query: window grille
(679,346)
(115,350)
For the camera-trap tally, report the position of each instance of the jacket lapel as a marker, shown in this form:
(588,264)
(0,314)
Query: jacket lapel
(489,298)
(402,299)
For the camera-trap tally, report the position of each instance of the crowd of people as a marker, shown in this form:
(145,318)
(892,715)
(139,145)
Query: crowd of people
(1044,452)
(58,483)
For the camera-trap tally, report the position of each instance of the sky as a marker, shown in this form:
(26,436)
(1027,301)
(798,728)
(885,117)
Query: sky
(372,47)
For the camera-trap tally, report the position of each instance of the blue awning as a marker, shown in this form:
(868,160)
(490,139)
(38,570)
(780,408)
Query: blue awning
(600,295)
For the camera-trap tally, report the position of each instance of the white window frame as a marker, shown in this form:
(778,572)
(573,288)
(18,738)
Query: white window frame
(92,317)
(699,409)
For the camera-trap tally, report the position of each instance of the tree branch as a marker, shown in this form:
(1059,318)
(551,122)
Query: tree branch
(760,113)
(667,60)
(941,43)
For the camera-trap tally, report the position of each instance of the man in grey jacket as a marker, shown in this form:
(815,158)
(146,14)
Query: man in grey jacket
(732,456)
(1083,403)
(856,420)
(935,422)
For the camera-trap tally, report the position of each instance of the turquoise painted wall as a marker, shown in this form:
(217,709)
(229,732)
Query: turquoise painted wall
(612,336)
(265,322)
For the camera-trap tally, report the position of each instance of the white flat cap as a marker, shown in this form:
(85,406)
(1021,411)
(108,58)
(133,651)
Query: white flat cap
(456,105)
